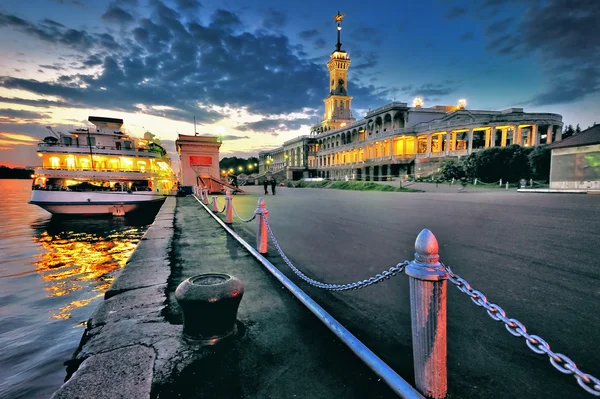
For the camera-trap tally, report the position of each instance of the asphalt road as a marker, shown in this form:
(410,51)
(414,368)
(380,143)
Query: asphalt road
(535,255)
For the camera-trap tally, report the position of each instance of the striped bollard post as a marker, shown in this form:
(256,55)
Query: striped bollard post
(500,185)
(262,238)
(215,203)
(205,196)
(507,185)
(428,290)
(228,208)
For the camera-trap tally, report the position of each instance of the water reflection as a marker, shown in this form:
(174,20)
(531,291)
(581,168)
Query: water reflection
(82,255)
(53,272)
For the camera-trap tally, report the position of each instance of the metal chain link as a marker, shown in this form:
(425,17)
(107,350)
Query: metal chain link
(386,274)
(560,362)
(239,217)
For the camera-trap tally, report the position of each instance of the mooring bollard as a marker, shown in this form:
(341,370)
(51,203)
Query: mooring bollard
(261,227)
(205,196)
(209,303)
(228,208)
(215,202)
(428,290)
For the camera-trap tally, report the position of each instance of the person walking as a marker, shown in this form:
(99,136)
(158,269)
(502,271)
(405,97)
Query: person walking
(266,185)
(273,185)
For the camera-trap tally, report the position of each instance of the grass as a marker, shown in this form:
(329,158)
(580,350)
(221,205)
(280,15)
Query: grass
(312,184)
(353,185)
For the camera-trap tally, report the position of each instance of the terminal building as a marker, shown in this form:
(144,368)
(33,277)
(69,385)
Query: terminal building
(397,139)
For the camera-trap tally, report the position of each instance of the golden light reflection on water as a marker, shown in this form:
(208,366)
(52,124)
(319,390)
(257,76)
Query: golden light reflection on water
(83,261)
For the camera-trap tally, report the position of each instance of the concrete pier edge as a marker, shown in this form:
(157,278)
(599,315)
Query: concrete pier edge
(128,347)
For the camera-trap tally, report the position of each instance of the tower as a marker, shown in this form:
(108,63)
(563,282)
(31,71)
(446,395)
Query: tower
(338,103)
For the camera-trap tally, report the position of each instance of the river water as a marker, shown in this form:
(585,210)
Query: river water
(53,273)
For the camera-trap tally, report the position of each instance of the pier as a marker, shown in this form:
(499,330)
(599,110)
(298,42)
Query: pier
(512,249)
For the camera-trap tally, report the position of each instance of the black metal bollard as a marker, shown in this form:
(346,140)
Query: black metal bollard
(209,303)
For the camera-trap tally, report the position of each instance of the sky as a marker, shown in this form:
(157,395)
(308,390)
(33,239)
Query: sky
(256,71)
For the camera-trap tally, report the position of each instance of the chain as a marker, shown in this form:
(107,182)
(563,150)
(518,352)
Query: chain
(239,217)
(386,274)
(560,362)
(224,207)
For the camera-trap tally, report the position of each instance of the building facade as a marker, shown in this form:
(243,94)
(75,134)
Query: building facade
(575,162)
(397,139)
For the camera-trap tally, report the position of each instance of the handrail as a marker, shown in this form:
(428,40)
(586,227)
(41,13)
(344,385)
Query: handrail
(95,147)
(391,378)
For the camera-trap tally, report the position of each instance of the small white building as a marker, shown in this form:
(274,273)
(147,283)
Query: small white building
(575,162)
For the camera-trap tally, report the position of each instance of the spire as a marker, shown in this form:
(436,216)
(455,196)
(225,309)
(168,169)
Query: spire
(338,19)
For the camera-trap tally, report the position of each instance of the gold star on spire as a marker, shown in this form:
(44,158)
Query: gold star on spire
(338,18)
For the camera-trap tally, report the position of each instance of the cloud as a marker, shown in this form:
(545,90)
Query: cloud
(320,43)
(8,115)
(309,34)
(173,67)
(456,12)
(34,103)
(18,137)
(430,89)
(188,5)
(274,125)
(71,2)
(466,36)
(54,32)
(564,38)
(230,137)
(117,15)
(55,67)
(274,19)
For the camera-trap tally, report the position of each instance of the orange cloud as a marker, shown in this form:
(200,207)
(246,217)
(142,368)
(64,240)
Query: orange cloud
(5,148)
(13,142)
(19,137)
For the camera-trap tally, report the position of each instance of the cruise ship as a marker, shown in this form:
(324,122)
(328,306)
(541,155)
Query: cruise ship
(100,171)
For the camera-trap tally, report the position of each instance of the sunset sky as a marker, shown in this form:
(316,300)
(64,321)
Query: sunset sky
(255,70)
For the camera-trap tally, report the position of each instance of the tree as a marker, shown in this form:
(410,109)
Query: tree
(507,163)
(539,163)
(569,131)
(577,129)
(453,169)
(248,166)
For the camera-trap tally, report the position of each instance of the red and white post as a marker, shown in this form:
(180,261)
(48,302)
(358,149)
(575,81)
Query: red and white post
(262,235)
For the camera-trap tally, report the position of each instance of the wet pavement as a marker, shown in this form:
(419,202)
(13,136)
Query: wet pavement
(535,255)
(281,351)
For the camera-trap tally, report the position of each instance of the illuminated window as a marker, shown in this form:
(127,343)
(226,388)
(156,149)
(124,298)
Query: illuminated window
(70,163)
(54,162)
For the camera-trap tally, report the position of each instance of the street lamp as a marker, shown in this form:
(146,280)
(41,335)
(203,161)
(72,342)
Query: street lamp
(240,168)
(231,170)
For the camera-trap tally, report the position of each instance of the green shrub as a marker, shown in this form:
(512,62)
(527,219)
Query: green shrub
(366,186)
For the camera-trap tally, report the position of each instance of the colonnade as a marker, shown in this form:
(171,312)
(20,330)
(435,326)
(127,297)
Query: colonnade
(456,142)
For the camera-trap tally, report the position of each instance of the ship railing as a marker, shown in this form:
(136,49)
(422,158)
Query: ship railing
(89,169)
(98,147)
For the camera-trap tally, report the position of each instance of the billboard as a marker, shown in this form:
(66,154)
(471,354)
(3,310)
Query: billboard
(200,160)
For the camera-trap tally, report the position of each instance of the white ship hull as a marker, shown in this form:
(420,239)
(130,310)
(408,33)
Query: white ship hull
(94,202)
